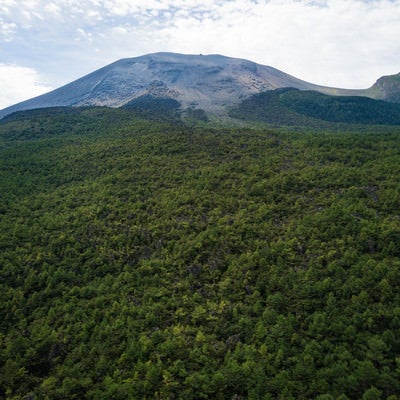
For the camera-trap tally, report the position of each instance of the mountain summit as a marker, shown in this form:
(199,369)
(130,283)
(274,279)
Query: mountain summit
(212,83)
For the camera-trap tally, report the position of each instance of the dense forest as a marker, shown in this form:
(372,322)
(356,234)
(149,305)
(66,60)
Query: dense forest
(295,107)
(153,260)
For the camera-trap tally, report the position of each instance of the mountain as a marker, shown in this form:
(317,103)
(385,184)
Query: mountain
(212,83)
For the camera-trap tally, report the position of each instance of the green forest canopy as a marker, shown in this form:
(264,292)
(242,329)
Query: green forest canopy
(145,260)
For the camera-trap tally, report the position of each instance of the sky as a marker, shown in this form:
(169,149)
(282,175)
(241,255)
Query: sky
(45,44)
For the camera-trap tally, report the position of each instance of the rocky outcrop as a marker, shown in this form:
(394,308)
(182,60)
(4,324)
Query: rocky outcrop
(387,88)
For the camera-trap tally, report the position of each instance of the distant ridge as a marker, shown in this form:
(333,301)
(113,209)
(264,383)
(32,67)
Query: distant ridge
(213,83)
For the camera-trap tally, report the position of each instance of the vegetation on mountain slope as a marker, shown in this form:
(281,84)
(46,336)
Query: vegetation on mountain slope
(308,108)
(144,260)
(160,106)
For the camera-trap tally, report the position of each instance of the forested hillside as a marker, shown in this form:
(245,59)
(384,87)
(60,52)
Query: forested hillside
(147,260)
(293,107)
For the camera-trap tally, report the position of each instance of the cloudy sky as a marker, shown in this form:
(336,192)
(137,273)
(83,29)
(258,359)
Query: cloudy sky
(344,43)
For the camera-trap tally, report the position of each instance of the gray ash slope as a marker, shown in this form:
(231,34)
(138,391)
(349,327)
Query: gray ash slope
(212,83)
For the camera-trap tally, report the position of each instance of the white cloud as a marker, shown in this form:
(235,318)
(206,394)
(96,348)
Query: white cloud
(52,8)
(19,83)
(7,30)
